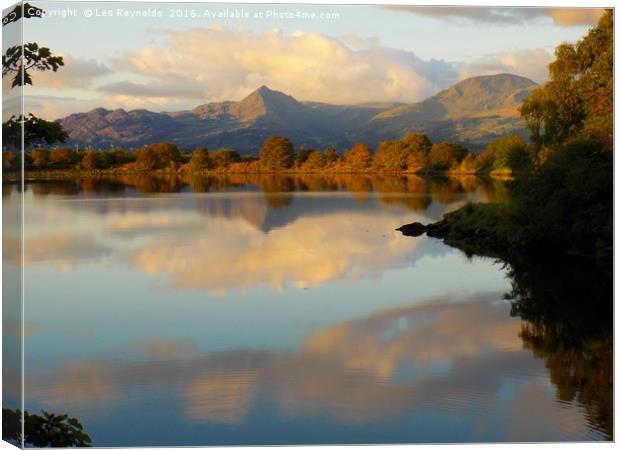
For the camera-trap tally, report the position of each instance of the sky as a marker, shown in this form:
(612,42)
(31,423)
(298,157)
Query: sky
(169,57)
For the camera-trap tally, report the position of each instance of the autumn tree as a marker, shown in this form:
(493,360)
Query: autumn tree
(158,156)
(200,159)
(277,153)
(331,155)
(223,157)
(315,161)
(359,157)
(90,161)
(63,156)
(444,155)
(577,101)
(418,142)
(391,156)
(40,157)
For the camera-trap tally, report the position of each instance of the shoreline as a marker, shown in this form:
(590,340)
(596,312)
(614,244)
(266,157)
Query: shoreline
(68,174)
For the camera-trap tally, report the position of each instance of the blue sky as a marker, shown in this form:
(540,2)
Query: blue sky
(365,53)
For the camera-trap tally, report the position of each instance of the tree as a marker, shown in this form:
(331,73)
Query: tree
(418,142)
(40,157)
(391,155)
(19,60)
(223,157)
(359,157)
(302,156)
(10,160)
(315,161)
(577,101)
(331,156)
(277,153)
(200,159)
(417,160)
(63,156)
(163,155)
(504,153)
(90,161)
(445,155)
(36,131)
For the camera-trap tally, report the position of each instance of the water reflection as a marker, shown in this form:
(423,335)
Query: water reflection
(395,365)
(289,311)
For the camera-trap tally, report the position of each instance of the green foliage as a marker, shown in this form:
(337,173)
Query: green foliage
(36,131)
(45,430)
(223,157)
(200,159)
(508,152)
(445,155)
(568,200)
(360,157)
(577,101)
(277,153)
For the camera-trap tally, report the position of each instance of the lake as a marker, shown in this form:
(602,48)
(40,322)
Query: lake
(287,310)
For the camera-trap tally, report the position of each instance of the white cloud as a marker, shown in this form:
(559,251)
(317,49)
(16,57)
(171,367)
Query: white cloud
(531,63)
(76,72)
(222,64)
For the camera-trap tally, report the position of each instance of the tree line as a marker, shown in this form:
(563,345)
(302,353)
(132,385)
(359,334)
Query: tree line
(415,153)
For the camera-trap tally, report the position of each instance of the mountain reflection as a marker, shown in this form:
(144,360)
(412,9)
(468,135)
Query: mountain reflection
(292,233)
(369,370)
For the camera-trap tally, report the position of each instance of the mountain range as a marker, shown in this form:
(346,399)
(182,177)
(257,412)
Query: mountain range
(472,112)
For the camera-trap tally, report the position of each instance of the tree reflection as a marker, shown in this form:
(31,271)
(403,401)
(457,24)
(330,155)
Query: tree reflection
(567,306)
(444,190)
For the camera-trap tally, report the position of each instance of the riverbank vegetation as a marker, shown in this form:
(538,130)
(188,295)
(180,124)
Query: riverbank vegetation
(561,199)
(414,154)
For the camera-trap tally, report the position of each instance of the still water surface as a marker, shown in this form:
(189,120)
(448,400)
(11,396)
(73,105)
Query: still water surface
(263,311)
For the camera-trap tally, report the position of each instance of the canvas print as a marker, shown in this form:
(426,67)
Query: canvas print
(297,224)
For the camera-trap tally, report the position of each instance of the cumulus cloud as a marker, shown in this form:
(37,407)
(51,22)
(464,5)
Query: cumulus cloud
(505,16)
(531,63)
(306,65)
(76,72)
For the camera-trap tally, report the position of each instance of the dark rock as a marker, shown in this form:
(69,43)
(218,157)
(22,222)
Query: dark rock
(412,229)
(438,229)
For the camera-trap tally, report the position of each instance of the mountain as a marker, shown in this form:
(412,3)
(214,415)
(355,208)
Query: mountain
(473,112)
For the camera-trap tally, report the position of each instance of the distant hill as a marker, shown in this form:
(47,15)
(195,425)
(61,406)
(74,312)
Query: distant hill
(473,112)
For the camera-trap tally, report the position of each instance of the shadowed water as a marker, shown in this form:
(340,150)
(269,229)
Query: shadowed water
(287,310)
